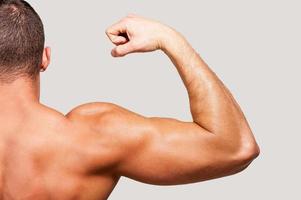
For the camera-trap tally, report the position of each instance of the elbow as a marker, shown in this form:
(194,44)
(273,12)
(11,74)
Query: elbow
(248,152)
(239,154)
(241,159)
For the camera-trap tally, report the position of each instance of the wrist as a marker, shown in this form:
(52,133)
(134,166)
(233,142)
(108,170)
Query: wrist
(168,38)
(172,43)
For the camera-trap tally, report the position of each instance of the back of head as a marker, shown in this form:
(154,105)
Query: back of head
(21,40)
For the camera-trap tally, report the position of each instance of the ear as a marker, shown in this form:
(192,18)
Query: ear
(45,59)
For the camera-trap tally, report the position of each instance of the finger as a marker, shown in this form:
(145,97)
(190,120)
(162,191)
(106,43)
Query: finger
(122,50)
(115,30)
(118,40)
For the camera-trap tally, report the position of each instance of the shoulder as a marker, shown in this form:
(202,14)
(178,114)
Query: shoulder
(91,109)
(108,118)
(129,130)
(101,114)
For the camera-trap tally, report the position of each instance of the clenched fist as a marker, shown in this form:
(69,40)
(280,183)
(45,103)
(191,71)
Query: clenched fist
(137,34)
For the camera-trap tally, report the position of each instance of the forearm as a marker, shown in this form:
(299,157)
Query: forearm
(212,106)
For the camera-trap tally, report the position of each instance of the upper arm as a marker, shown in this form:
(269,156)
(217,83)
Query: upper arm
(158,150)
(167,151)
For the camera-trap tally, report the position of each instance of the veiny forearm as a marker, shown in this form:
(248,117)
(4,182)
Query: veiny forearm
(212,105)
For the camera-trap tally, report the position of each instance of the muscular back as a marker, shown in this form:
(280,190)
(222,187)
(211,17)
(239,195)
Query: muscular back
(45,155)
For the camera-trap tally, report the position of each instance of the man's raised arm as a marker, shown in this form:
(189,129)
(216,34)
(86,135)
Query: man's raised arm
(217,143)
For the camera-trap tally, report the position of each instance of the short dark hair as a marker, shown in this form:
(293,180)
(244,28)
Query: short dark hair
(21,40)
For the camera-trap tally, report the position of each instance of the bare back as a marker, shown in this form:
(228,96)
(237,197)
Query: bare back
(46,156)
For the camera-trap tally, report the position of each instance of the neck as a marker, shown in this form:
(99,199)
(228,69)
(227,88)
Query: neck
(19,94)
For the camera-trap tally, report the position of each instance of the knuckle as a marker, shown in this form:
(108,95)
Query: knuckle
(128,19)
(125,20)
(130,15)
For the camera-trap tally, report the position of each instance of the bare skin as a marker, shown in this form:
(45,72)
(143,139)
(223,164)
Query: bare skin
(47,155)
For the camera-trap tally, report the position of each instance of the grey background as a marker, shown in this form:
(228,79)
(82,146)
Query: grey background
(254,46)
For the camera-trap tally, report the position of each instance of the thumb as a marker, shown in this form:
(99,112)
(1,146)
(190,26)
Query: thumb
(122,50)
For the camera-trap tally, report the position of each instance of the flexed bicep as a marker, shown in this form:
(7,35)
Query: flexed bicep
(158,151)
(165,151)
(175,152)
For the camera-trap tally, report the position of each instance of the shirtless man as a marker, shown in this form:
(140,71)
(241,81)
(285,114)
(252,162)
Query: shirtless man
(47,155)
